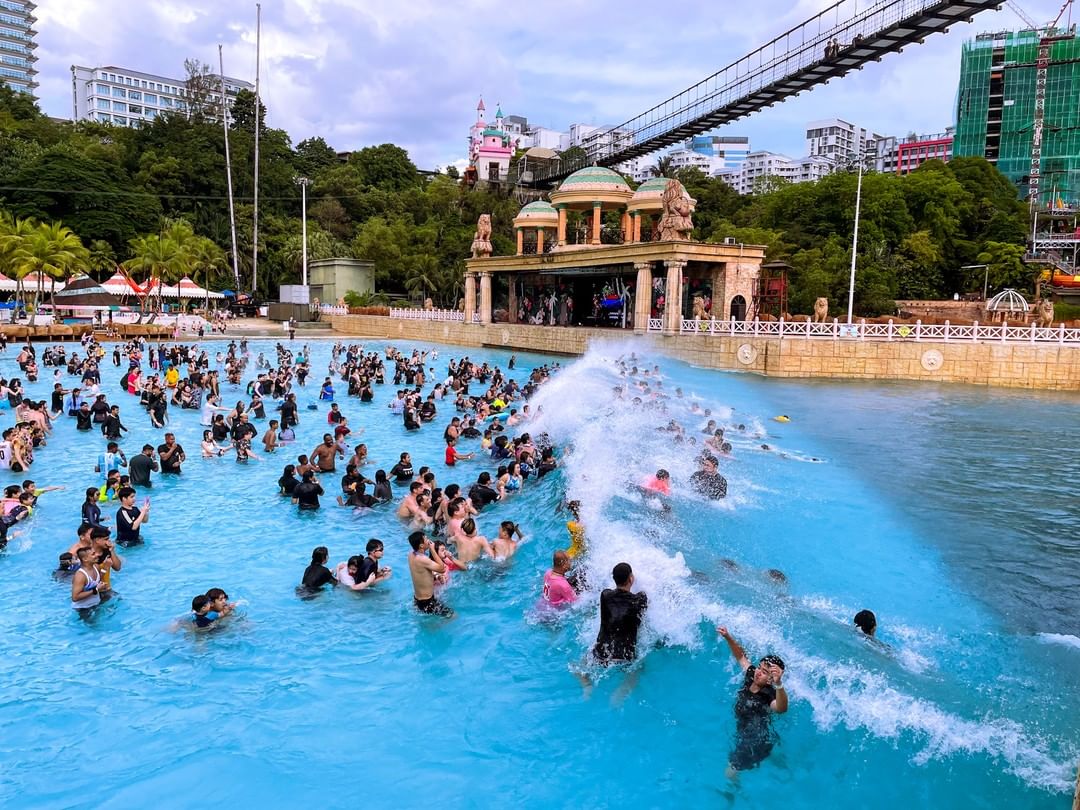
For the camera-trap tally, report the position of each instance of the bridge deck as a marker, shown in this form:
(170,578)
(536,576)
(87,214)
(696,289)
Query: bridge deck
(791,63)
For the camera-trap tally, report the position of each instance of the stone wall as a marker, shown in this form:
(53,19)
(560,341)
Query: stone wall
(1014,365)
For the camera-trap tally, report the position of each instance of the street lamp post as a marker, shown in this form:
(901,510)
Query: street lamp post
(855,242)
(303,182)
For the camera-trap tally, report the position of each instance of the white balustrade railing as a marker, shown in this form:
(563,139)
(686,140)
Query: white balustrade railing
(890,331)
(333,309)
(429,314)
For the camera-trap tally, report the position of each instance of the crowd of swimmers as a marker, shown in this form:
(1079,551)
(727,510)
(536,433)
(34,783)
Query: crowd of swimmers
(443,521)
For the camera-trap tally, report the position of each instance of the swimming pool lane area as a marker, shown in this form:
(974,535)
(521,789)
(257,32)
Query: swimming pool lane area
(948,511)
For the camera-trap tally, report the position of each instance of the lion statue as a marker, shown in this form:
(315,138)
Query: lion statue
(675,224)
(699,308)
(821,310)
(429,304)
(1044,313)
(481,245)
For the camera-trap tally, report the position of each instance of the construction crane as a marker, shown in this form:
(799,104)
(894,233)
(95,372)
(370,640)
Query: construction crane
(1048,35)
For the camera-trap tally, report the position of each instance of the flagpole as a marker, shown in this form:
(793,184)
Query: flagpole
(228,175)
(255,212)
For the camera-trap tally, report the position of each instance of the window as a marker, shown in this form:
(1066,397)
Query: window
(135,95)
(119,106)
(151,114)
(144,83)
(103,104)
(150,99)
(134,109)
(166,101)
(120,120)
(119,92)
(127,81)
(103,89)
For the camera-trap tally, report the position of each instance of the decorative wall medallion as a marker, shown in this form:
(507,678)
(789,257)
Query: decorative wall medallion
(505,336)
(932,360)
(747,354)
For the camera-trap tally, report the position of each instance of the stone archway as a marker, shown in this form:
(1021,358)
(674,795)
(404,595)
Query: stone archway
(738,308)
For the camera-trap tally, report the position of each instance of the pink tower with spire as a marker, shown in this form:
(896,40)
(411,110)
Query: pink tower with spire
(490,148)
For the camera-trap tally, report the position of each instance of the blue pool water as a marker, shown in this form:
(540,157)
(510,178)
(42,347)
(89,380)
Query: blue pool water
(948,511)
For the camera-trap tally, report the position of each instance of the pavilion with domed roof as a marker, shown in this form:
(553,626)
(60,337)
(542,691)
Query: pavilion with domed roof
(593,256)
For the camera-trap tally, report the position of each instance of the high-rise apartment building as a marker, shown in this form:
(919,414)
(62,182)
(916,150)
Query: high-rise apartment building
(839,141)
(125,97)
(1018,105)
(17,45)
(905,155)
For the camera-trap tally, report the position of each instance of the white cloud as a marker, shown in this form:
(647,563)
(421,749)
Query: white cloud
(359,72)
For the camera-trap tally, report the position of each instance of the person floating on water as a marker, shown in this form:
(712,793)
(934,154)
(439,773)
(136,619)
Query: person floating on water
(761,695)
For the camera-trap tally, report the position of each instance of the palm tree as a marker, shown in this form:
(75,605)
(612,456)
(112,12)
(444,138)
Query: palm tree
(50,249)
(422,274)
(12,232)
(102,260)
(163,258)
(206,256)
(665,167)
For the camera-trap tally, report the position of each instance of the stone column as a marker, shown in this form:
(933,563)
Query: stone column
(485,297)
(561,234)
(512,303)
(642,296)
(673,296)
(539,241)
(597,209)
(626,235)
(520,241)
(637,227)
(470,297)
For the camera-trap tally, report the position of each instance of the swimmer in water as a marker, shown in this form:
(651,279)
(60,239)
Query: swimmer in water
(470,544)
(424,564)
(866,621)
(505,545)
(761,695)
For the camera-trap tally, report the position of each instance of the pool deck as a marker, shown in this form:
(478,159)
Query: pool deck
(1012,365)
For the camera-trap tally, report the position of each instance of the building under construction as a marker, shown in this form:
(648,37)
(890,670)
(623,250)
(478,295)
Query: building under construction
(1018,105)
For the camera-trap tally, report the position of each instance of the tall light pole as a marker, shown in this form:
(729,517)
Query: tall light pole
(303,182)
(855,241)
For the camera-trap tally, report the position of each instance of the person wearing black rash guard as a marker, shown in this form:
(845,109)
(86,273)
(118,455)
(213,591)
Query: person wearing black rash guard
(317,574)
(403,470)
(620,618)
(288,412)
(91,512)
(761,695)
(306,493)
(370,565)
(83,418)
(288,481)
(481,493)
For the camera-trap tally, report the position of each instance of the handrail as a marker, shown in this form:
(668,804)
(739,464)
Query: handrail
(889,331)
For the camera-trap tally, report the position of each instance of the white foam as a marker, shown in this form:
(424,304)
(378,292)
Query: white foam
(611,454)
(1059,638)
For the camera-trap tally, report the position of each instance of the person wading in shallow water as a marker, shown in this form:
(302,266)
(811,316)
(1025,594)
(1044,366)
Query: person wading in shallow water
(761,695)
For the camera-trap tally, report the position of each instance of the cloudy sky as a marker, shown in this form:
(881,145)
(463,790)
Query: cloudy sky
(362,72)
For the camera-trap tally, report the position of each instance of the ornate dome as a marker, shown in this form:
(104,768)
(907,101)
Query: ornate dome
(539,213)
(653,187)
(594,178)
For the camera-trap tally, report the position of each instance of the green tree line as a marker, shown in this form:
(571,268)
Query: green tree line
(154,199)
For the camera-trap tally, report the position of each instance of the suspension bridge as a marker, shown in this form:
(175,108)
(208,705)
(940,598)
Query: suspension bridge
(827,46)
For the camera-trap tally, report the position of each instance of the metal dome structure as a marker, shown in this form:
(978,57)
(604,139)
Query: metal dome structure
(1008,300)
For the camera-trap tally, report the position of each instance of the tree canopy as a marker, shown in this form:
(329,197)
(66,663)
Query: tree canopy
(122,192)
